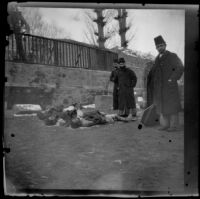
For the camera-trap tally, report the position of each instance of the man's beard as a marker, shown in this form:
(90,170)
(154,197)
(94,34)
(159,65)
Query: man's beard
(162,51)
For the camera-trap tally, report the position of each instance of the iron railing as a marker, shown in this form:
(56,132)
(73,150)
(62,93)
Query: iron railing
(40,50)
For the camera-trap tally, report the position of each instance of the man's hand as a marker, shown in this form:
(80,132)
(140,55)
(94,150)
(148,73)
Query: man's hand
(169,80)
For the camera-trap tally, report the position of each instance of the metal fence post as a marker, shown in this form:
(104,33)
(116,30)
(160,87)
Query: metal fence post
(89,59)
(55,52)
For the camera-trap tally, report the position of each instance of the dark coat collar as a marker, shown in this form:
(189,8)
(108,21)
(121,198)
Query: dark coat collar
(164,56)
(122,69)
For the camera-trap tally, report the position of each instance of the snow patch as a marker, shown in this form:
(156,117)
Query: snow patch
(70,108)
(24,115)
(31,107)
(140,99)
(89,106)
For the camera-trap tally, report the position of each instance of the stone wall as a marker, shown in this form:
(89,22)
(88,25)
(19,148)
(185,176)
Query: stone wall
(31,82)
(51,85)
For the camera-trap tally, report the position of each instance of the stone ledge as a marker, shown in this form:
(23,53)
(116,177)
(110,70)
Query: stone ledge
(30,86)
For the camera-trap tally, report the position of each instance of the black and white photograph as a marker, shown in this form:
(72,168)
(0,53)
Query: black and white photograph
(94,99)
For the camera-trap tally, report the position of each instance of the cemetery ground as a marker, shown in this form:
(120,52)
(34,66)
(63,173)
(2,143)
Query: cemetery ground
(115,156)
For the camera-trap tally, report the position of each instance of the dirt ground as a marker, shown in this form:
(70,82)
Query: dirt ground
(117,156)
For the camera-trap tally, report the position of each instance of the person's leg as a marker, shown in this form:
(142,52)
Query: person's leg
(132,114)
(164,122)
(115,99)
(174,122)
(114,108)
(121,113)
(132,111)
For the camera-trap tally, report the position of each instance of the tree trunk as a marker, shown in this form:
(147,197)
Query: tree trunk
(122,26)
(100,25)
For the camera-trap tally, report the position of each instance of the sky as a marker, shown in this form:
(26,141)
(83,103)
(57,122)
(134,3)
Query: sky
(146,25)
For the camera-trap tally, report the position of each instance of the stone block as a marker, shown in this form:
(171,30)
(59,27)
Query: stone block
(26,107)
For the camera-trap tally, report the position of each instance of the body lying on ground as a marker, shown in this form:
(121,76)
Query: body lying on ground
(75,118)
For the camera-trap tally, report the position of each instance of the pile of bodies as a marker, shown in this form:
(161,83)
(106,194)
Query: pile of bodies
(75,117)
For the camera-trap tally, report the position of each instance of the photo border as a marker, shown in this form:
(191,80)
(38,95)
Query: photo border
(191,97)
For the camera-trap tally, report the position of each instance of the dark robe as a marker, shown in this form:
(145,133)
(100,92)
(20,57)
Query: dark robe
(127,80)
(165,94)
(115,89)
(150,88)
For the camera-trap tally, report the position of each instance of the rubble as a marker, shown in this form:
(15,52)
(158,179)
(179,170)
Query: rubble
(60,122)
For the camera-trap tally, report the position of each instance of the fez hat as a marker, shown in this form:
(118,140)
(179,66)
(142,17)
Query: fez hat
(121,60)
(159,40)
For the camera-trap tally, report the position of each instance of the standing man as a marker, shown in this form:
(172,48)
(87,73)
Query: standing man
(19,25)
(167,70)
(115,87)
(127,80)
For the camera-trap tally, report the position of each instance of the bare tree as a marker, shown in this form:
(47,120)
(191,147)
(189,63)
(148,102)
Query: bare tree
(100,24)
(118,27)
(111,28)
(126,31)
(122,14)
(100,28)
(131,29)
(89,33)
(40,27)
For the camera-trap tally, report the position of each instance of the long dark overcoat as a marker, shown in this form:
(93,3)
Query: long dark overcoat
(115,89)
(150,88)
(127,80)
(165,94)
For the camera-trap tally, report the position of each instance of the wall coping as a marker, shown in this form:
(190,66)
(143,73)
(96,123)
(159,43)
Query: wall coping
(54,66)
(8,84)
